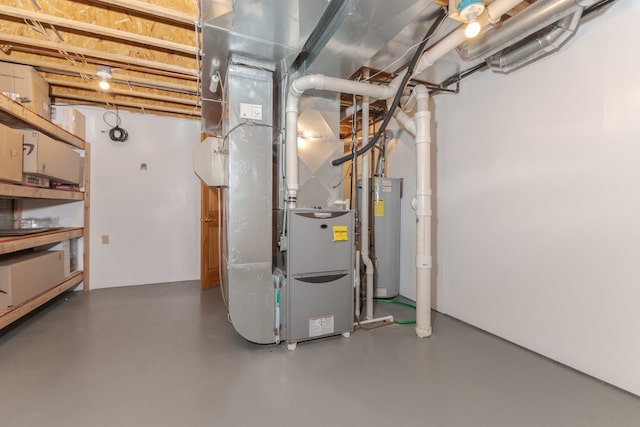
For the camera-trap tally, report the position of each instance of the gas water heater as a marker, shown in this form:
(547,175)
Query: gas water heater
(386,194)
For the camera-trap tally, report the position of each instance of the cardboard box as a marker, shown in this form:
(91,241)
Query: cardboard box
(36,181)
(24,276)
(25,84)
(70,250)
(69,119)
(46,157)
(10,154)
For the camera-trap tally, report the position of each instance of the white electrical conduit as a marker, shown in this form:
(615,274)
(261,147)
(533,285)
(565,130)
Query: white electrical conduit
(423,211)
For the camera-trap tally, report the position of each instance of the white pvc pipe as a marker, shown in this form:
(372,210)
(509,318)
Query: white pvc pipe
(297,88)
(492,15)
(388,318)
(364,211)
(423,188)
(423,213)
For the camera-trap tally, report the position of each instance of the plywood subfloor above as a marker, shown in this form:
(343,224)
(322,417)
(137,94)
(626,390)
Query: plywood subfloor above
(152,49)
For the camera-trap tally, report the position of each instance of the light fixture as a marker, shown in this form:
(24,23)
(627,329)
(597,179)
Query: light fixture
(473,28)
(215,75)
(105,75)
(469,10)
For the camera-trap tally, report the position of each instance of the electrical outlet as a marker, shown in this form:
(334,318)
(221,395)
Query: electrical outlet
(105,239)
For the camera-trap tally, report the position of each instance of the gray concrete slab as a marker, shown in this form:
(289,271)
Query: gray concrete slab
(165,355)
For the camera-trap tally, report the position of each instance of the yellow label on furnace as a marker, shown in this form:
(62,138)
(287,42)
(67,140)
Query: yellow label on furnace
(340,233)
(378,207)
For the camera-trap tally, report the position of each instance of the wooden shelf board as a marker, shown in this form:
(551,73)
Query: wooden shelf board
(18,243)
(15,191)
(9,316)
(15,115)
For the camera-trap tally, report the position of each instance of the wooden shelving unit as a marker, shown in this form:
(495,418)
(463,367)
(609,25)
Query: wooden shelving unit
(18,243)
(14,115)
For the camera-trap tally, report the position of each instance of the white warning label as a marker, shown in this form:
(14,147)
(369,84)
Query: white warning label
(320,326)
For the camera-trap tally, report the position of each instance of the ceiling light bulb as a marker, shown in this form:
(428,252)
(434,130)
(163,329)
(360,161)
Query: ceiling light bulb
(105,74)
(473,28)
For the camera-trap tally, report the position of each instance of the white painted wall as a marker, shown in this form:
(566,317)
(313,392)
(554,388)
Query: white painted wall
(539,207)
(151,216)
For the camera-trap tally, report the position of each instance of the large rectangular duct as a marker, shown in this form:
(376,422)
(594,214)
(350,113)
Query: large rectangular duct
(247,253)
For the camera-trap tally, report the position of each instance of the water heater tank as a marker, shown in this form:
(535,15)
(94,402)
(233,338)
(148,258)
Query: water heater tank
(385,198)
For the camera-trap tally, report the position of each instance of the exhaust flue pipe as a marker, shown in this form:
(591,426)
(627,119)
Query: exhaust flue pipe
(536,17)
(533,47)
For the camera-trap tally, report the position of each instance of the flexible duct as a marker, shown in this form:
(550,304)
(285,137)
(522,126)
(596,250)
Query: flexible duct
(541,43)
(539,15)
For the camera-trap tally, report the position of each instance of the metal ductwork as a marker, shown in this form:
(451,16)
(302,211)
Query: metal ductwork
(535,46)
(537,17)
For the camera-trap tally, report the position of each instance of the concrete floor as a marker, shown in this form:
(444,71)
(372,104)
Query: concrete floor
(165,355)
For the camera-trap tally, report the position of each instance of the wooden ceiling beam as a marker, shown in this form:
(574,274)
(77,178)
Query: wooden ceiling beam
(106,100)
(96,30)
(148,9)
(123,59)
(67,68)
(92,86)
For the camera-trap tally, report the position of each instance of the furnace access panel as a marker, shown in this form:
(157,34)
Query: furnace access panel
(319,273)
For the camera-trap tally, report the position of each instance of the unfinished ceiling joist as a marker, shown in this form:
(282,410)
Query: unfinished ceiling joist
(98,30)
(90,86)
(123,59)
(67,69)
(105,100)
(148,9)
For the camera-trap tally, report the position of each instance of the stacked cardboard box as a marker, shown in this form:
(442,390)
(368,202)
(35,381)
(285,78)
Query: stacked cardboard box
(69,119)
(48,158)
(10,154)
(25,85)
(24,276)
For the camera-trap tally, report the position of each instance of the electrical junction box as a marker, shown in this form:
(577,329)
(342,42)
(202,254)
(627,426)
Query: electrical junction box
(250,111)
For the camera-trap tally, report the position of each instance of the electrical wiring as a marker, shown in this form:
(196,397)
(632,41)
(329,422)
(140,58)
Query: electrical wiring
(116,133)
(398,302)
(396,100)
(248,123)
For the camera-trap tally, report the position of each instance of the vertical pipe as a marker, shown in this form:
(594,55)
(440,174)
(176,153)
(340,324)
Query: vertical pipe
(423,213)
(357,285)
(364,214)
